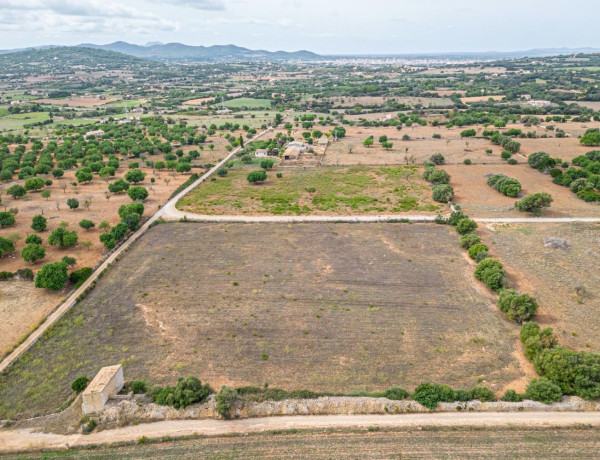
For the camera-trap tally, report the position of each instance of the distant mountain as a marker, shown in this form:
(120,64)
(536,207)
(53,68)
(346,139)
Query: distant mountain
(179,52)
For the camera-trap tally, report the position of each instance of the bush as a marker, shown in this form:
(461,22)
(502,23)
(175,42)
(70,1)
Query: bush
(16,191)
(63,238)
(468,240)
(78,277)
(73,203)
(396,393)
(467,161)
(443,193)
(187,392)
(257,176)
(225,399)
(33,252)
(33,239)
(52,276)
(137,193)
(505,185)
(491,272)
(33,184)
(222,172)
(534,203)
(138,387)
(437,159)
(6,246)
(476,249)
(79,384)
(543,390)
(118,186)
(430,394)
(86,224)
(439,176)
(518,307)
(38,223)
(483,394)
(512,396)
(24,274)
(266,164)
(135,176)
(465,226)
(512,161)
(7,219)
(540,161)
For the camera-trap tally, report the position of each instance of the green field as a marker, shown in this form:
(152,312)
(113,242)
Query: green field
(248,102)
(17,121)
(341,191)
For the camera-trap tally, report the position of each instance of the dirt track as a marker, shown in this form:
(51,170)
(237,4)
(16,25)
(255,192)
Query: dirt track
(20,440)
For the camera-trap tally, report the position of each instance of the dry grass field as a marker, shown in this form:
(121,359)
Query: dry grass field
(479,199)
(315,191)
(328,307)
(375,443)
(83,101)
(565,282)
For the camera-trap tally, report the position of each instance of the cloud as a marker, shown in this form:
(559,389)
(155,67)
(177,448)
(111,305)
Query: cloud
(208,5)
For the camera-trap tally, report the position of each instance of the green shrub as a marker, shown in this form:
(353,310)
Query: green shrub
(52,276)
(443,193)
(512,396)
(79,384)
(491,272)
(257,176)
(7,219)
(467,161)
(534,203)
(543,390)
(396,393)
(439,176)
(430,394)
(465,226)
(512,161)
(225,399)
(78,277)
(469,240)
(483,394)
(32,238)
(138,386)
(6,246)
(222,172)
(39,223)
(187,392)
(455,218)
(505,185)
(437,159)
(518,307)
(540,161)
(86,224)
(476,249)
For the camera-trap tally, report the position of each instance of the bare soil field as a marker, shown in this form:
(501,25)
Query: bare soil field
(589,104)
(78,101)
(467,100)
(565,281)
(328,307)
(199,101)
(22,306)
(373,442)
(315,191)
(479,199)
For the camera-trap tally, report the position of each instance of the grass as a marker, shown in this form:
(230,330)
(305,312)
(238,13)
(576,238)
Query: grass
(248,103)
(315,191)
(17,121)
(341,310)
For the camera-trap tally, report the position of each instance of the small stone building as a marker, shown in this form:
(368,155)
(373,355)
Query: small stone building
(109,381)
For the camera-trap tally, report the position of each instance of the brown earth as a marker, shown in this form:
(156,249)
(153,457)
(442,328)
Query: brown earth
(328,307)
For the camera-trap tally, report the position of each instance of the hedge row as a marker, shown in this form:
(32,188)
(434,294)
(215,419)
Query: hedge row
(442,191)
(505,185)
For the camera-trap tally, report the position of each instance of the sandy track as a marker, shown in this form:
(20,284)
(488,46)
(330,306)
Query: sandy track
(19,440)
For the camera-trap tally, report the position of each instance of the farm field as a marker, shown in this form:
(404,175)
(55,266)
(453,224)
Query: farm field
(78,101)
(565,281)
(315,191)
(335,307)
(479,199)
(463,443)
(17,121)
(248,103)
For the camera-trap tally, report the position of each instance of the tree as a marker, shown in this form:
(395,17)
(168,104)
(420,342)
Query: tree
(70,261)
(86,224)
(104,225)
(266,164)
(33,252)
(368,142)
(225,400)
(257,176)
(52,276)
(39,223)
(439,176)
(534,203)
(73,203)
(83,175)
(118,186)
(491,272)
(518,307)
(383,139)
(63,238)
(135,176)
(16,191)
(468,240)
(443,193)
(80,384)
(222,172)
(132,208)
(591,137)
(540,161)
(7,219)
(437,159)
(476,249)
(387,145)
(137,193)
(183,167)
(468,133)
(33,239)
(58,173)
(246,158)
(6,246)
(45,194)
(33,184)
(132,221)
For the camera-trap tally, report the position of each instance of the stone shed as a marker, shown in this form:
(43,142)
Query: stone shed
(108,381)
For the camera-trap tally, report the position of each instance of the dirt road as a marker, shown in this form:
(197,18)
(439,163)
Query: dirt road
(18,440)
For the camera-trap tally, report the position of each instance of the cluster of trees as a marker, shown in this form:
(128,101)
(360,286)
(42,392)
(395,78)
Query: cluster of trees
(442,191)
(583,181)
(131,216)
(505,185)
(506,142)
(188,391)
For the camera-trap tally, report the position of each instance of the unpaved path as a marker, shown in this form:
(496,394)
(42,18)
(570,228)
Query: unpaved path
(19,440)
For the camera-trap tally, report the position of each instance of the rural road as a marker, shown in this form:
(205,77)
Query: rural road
(71,300)
(26,439)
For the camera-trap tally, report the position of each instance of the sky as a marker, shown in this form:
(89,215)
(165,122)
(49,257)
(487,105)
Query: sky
(322,26)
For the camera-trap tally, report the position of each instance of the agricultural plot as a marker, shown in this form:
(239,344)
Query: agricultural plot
(479,199)
(18,121)
(565,281)
(328,307)
(342,191)
(247,102)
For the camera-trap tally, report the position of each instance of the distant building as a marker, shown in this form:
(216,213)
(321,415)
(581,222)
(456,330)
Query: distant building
(96,133)
(223,112)
(261,153)
(539,103)
(109,381)
(294,150)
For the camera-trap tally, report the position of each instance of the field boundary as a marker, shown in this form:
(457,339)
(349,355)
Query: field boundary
(72,299)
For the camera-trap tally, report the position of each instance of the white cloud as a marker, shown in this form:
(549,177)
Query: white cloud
(208,5)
